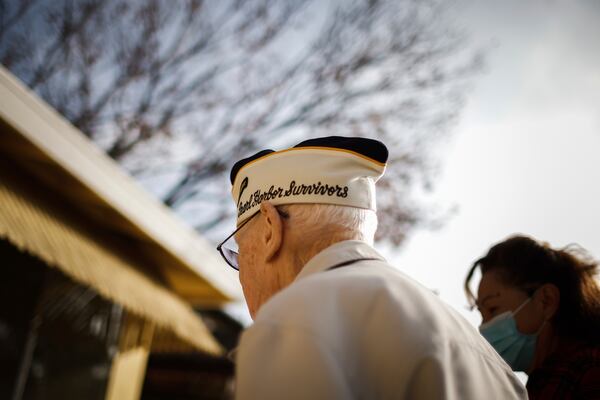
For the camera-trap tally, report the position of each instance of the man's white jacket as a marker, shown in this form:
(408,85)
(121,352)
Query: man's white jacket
(353,327)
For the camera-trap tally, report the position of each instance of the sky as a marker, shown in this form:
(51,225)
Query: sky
(524,155)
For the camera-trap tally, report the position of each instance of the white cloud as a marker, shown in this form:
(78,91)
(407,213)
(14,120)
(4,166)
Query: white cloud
(525,157)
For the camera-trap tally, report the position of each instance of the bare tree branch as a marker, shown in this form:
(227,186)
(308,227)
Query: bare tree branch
(230,77)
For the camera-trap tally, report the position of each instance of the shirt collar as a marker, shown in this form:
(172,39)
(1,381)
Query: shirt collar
(340,252)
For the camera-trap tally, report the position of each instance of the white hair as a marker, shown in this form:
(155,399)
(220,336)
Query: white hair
(325,224)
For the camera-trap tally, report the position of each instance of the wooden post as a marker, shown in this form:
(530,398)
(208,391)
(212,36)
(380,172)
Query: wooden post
(129,364)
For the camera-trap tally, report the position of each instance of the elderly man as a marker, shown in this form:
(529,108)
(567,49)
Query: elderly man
(332,319)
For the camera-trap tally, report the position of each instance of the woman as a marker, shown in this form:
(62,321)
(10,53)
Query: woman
(541,312)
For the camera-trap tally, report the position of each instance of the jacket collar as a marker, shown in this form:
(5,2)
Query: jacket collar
(338,253)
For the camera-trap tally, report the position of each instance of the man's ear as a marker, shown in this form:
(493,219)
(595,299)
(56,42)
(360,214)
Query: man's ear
(272,234)
(549,298)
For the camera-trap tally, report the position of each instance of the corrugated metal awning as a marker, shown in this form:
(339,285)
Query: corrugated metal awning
(34,227)
(36,140)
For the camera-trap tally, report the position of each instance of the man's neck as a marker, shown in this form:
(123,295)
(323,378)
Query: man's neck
(303,249)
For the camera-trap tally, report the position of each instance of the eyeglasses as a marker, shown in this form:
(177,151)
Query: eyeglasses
(229,251)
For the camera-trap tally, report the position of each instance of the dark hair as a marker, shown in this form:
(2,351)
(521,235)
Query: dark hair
(524,263)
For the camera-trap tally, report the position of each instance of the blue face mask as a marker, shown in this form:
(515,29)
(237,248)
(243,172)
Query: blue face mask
(516,348)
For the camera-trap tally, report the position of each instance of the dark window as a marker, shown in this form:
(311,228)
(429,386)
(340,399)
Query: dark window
(57,337)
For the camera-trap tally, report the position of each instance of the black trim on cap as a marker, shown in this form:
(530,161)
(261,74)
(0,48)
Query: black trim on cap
(238,165)
(371,148)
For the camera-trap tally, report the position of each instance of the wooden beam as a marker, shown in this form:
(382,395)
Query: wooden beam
(129,364)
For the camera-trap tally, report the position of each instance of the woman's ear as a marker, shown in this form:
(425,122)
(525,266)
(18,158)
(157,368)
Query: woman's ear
(272,234)
(548,296)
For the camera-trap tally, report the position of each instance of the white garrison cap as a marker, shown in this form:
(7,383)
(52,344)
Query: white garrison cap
(329,170)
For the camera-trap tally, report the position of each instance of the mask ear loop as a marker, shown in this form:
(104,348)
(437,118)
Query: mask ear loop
(545,320)
(523,305)
(541,327)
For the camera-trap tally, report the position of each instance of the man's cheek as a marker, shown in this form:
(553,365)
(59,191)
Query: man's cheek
(246,266)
